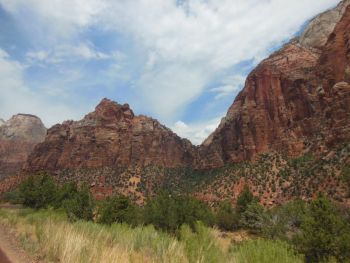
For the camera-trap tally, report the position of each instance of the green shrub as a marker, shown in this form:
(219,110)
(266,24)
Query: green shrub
(118,209)
(325,234)
(283,221)
(168,212)
(254,218)
(38,191)
(345,176)
(81,205)
(13,197)
(65,192)
(226,217)
(244,199)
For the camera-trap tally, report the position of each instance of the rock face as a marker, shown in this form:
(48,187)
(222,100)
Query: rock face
(111,136)
(295,101)
(2,122)
(18,136)
(317,32)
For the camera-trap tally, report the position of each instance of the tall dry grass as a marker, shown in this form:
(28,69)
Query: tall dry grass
(51,235)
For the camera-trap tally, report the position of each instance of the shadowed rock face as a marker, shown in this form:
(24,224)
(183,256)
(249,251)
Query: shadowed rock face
(295,101)
(111,136)
(18,136)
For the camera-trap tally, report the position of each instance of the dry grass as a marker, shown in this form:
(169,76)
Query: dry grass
(49,234)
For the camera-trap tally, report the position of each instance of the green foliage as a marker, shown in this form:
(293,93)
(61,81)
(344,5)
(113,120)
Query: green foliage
(226,217)
(168,212)
(13,197)
(244,199)
(38,191)
(200,245)
(265,251)
(81,205)
(254,217)
(118,209)
(345,175)
(65,192)
(325,234)
(284,220)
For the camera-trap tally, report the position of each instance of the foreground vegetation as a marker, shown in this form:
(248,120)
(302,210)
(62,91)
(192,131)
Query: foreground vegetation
(50,234)
(68,225)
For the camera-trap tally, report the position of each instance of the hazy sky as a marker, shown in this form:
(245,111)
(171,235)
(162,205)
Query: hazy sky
(180,61)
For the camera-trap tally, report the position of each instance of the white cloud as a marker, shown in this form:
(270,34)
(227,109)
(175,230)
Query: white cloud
(231,85)
(17,97)
(56,18)
(196,132)
(66,53)
(189,47)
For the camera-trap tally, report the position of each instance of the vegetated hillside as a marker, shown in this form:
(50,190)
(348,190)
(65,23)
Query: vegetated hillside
(291,118)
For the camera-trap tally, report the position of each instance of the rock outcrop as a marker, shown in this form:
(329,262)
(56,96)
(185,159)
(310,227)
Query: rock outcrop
(18,136)
(318,30)
(2,122)
(295,101)
(111,136)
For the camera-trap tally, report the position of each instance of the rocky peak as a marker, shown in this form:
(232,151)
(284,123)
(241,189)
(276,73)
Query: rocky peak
(319,29)
(23,126)
(18,136)
(111,136)
(109,110)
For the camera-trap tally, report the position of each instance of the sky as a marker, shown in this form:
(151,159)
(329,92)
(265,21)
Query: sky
(179,61)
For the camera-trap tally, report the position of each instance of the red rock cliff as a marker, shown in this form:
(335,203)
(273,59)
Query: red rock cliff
(295,101)
(111,136)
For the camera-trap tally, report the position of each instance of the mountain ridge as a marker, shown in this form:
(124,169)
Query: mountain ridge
(294,103)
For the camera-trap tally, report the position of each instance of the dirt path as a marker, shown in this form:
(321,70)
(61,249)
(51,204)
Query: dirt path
(4,258)
(10,249)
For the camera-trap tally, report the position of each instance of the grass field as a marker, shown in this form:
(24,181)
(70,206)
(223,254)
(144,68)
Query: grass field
(49,234)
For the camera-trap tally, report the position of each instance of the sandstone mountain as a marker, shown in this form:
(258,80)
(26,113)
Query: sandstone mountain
(295,101)
(105,143)
(18,136)
(111,136)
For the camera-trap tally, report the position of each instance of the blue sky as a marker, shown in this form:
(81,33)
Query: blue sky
(181,62)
